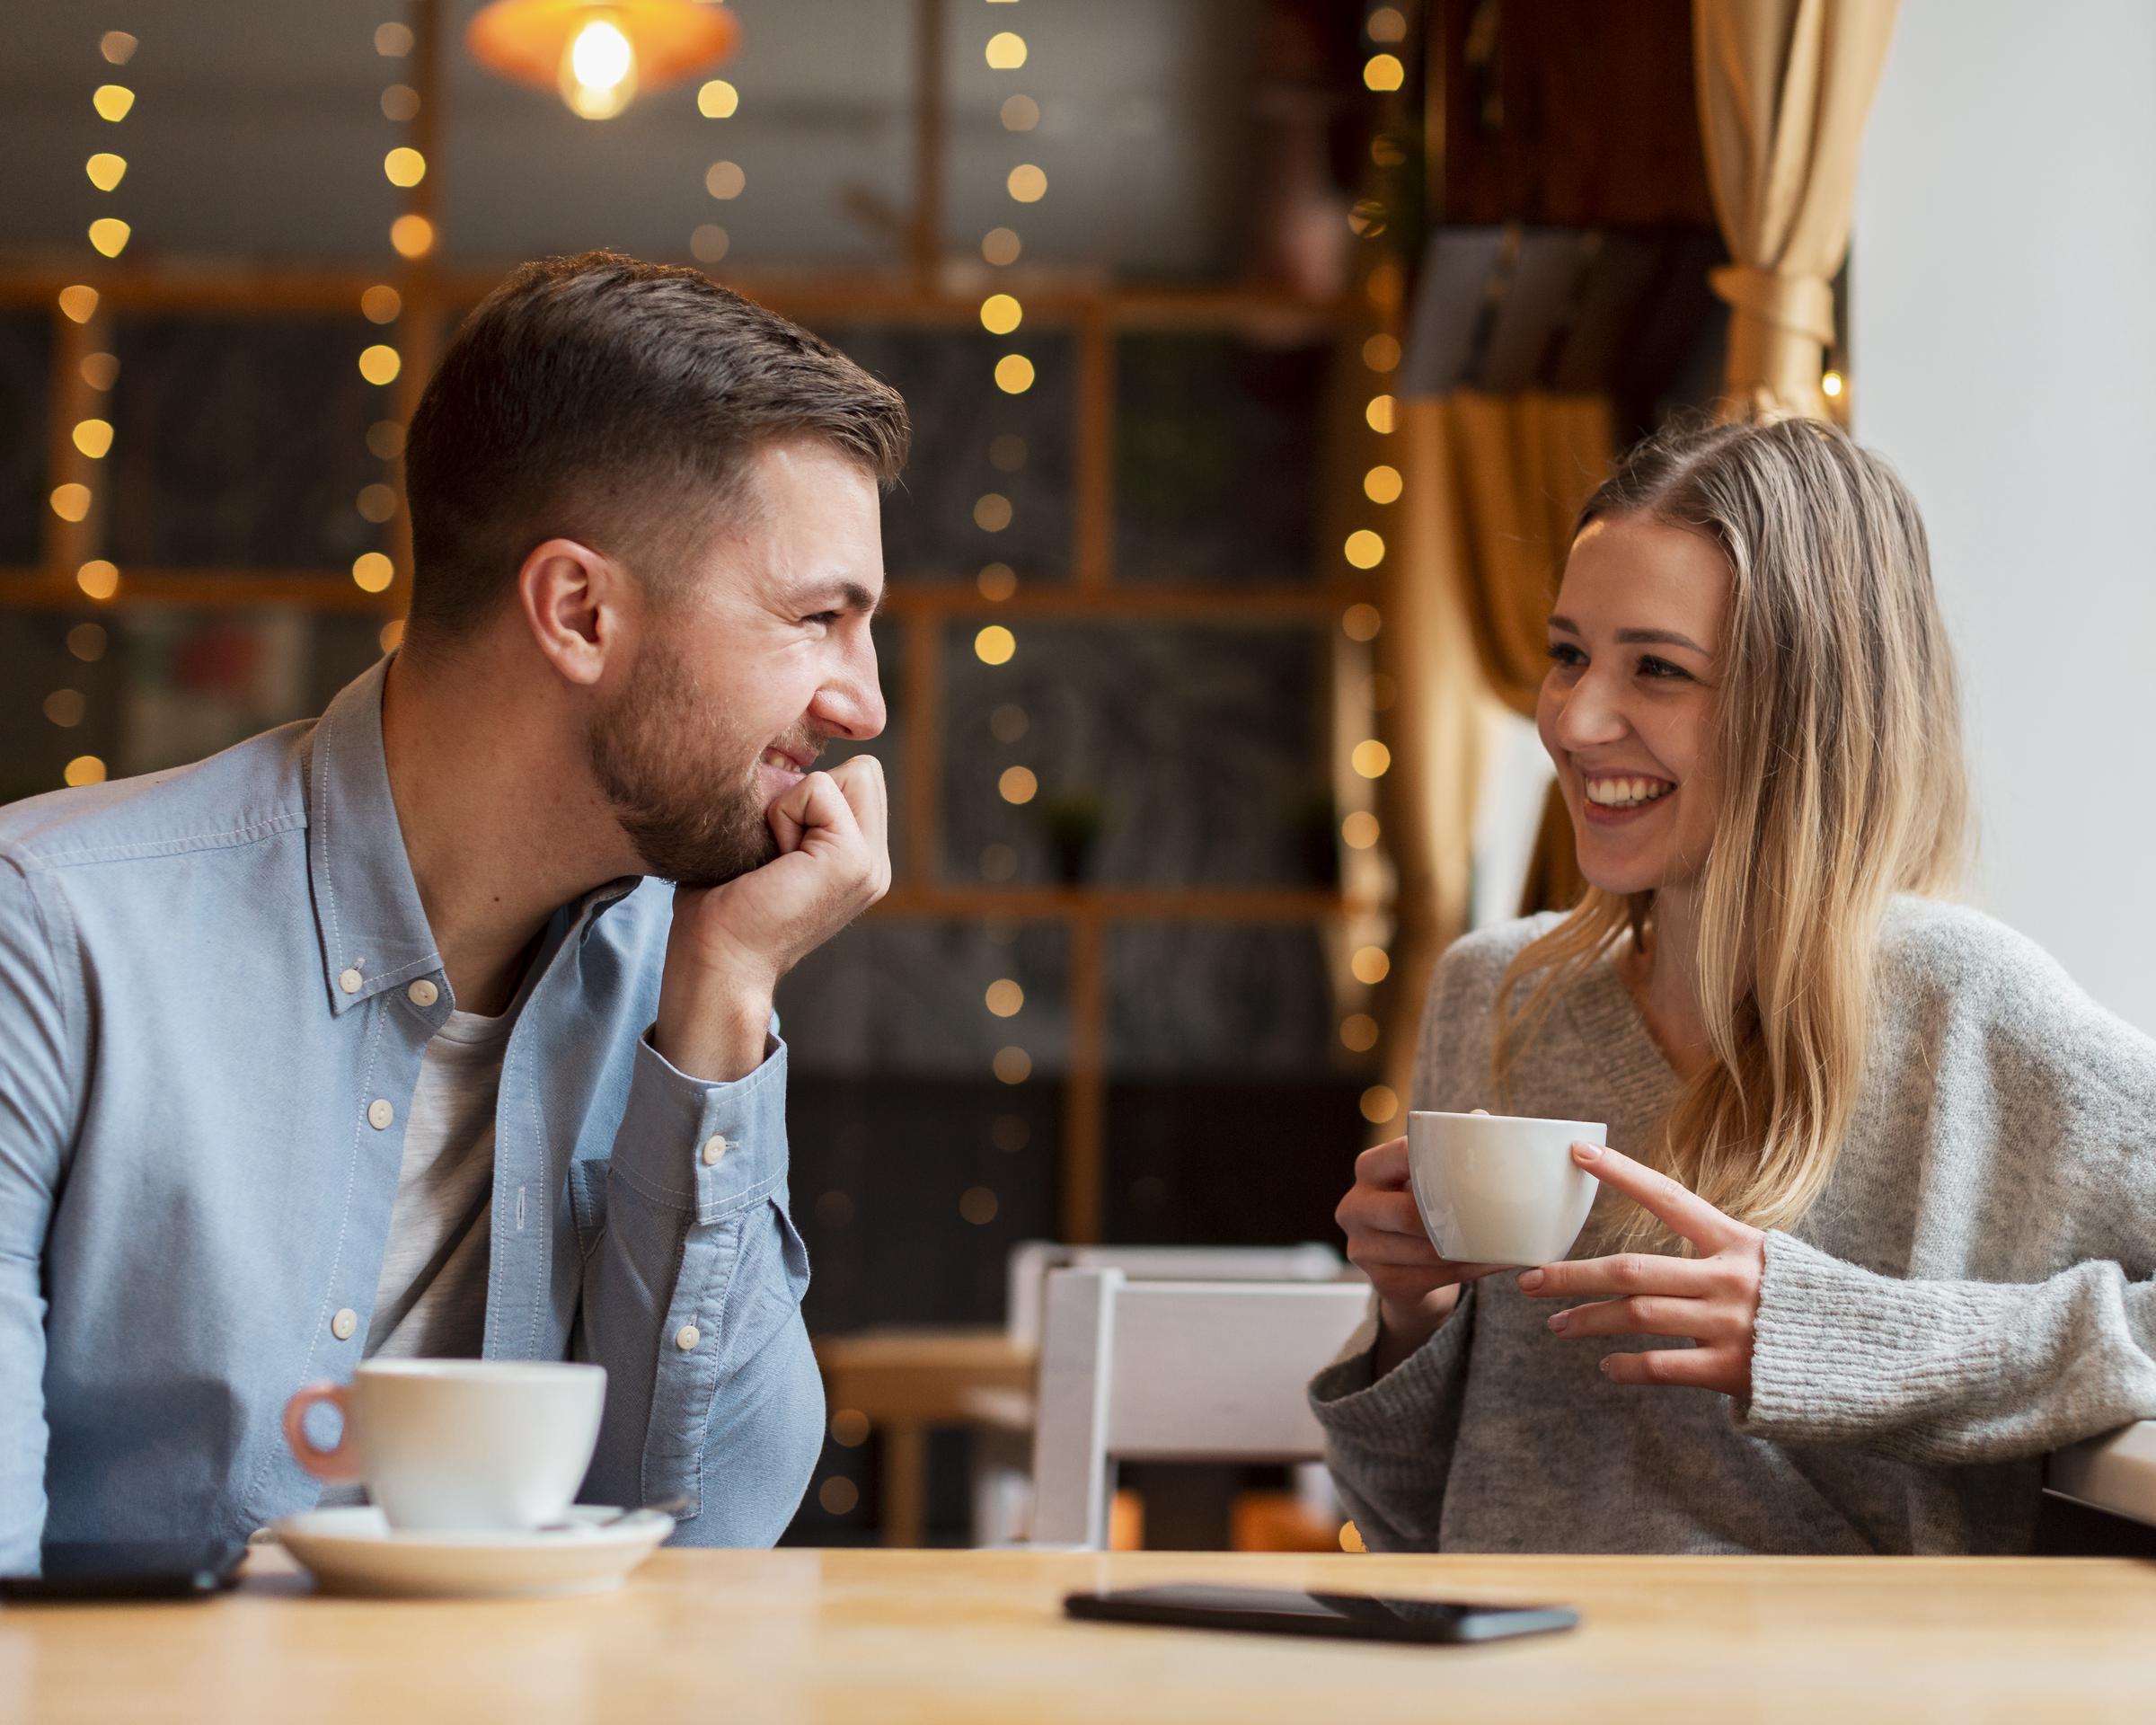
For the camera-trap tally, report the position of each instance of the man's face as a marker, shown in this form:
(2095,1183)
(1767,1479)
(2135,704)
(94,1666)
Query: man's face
(759,657)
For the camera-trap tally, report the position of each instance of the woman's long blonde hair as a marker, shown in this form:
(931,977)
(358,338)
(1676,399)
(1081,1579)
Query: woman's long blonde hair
(1836,741)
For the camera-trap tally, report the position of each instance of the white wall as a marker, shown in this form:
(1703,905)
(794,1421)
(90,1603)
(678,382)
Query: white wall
(2003,356)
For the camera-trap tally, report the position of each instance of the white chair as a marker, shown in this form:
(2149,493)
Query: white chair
(1030,1261)
(1003,1419)
(2116,1473)
(1173,1371)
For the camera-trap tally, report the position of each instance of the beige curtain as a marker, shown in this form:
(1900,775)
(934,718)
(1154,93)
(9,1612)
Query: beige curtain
(1492,485)
(1784,88)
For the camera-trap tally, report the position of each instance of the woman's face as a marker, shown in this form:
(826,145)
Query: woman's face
(1628,706)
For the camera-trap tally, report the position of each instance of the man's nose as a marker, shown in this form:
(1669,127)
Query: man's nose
(850,704)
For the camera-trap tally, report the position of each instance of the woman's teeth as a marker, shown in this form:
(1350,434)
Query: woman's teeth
(1626,793)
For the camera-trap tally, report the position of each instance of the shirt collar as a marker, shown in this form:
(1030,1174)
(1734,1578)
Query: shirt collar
(367,904)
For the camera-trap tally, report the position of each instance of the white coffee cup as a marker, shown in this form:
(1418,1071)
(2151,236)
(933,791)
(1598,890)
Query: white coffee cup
(459,1445)
(1500,1189)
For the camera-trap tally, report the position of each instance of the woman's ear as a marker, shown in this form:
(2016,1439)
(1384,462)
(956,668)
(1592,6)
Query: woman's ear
(573,599)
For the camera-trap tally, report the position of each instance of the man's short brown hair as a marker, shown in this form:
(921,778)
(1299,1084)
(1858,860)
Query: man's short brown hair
(619,404)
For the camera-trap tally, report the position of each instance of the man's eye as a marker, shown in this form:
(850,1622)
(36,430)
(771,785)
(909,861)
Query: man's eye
(824,617)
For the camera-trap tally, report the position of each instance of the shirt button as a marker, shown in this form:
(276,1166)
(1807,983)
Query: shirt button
(342,1325)
(685,1338)
(714,1147)
(349,981)
(423,992)
(380,1114)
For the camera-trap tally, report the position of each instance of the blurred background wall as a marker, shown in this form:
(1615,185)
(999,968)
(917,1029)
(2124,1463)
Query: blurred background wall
(2005,359)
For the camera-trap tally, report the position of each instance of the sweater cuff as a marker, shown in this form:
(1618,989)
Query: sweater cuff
(1841,1354)
(1391,1415)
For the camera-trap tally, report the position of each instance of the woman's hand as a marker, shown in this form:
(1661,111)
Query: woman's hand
(1416,1288)
(1711,1300)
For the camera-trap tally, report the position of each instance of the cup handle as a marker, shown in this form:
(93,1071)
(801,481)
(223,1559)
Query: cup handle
(339,1467)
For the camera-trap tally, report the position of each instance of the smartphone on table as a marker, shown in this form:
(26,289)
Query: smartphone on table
(122,1569)
(1360,1616)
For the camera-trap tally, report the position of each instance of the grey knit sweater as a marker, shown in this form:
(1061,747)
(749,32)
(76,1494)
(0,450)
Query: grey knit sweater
(1972,1290)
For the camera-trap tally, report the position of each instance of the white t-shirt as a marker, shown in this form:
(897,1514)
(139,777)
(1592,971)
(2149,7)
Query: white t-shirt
(431,1300)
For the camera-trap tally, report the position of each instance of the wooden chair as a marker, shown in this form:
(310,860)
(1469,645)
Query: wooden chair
(1172,1371)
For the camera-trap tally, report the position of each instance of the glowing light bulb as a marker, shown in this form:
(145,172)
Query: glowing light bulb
(112,101)
(598,70)
(1829,383)
(106,169)
(404,166)
(109,235)
(1001,314)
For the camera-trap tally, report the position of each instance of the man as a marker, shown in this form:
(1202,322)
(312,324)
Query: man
(365,1036)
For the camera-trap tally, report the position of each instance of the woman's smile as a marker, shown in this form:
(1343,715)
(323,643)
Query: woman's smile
(1620,798)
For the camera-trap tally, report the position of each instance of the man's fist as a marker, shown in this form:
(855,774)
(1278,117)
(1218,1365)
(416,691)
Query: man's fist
(731,943)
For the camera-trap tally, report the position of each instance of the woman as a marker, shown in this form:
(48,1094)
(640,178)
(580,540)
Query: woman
(1879,1216)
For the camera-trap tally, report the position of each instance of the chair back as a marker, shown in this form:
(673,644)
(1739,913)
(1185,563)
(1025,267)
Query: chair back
(1173,1371)
(1030,1261)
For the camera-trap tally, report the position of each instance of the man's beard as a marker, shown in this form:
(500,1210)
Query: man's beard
(664,757)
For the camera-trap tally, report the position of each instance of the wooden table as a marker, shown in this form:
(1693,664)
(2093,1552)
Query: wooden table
(907,1380)
(953,1637)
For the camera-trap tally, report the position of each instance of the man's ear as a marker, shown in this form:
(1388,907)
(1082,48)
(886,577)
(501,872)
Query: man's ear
(576,602)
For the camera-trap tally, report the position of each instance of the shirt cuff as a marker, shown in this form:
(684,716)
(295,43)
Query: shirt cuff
(703,1147)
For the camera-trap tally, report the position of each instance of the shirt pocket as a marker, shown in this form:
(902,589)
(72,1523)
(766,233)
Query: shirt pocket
(587,1201)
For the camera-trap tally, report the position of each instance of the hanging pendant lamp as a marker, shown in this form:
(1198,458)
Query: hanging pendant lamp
(599,53)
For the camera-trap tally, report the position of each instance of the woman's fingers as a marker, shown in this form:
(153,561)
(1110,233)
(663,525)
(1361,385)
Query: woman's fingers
(1646,1314)
(1627,1273)
(1704,1369)
(1383,1164)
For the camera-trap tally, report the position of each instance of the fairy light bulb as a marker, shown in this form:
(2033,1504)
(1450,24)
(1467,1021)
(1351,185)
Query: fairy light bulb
(599,69)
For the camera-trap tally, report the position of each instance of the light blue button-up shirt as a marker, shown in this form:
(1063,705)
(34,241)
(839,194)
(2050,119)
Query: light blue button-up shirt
(205,1004)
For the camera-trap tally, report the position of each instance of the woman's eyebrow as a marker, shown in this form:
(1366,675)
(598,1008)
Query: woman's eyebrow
(1638,637)
(1659,638)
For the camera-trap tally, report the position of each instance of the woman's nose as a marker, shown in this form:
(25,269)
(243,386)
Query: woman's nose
(1587,714)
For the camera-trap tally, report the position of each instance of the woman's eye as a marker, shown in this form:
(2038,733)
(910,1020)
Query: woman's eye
(1563,652)
(1660,667)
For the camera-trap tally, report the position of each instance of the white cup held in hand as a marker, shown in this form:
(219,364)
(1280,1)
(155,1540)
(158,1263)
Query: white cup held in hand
(459,1445)
(1500,1189)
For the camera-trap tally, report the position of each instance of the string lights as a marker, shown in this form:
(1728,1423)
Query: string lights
(74,500)
(1003,314)
(725,179)
(412,236)
(1385,73)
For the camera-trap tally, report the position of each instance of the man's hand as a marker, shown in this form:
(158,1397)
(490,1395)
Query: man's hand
(1711,1300)
(731,943)
(1416,1288)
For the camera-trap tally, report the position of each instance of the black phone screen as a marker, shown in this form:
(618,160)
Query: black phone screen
(1359,1615)
(119,1568)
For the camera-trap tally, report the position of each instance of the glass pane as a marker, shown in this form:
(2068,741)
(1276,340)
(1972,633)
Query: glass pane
(1254,1161)
(972,442)
(922,1150)
(1146,754)
(160,687)
(1193,998)
(25,389)
(243,445)
(1216,468)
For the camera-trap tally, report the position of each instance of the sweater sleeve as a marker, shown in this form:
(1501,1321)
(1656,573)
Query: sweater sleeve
(1947,1372)
(2020,1314)
(1389,1441)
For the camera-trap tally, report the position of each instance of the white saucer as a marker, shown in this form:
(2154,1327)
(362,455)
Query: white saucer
(352,1551)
